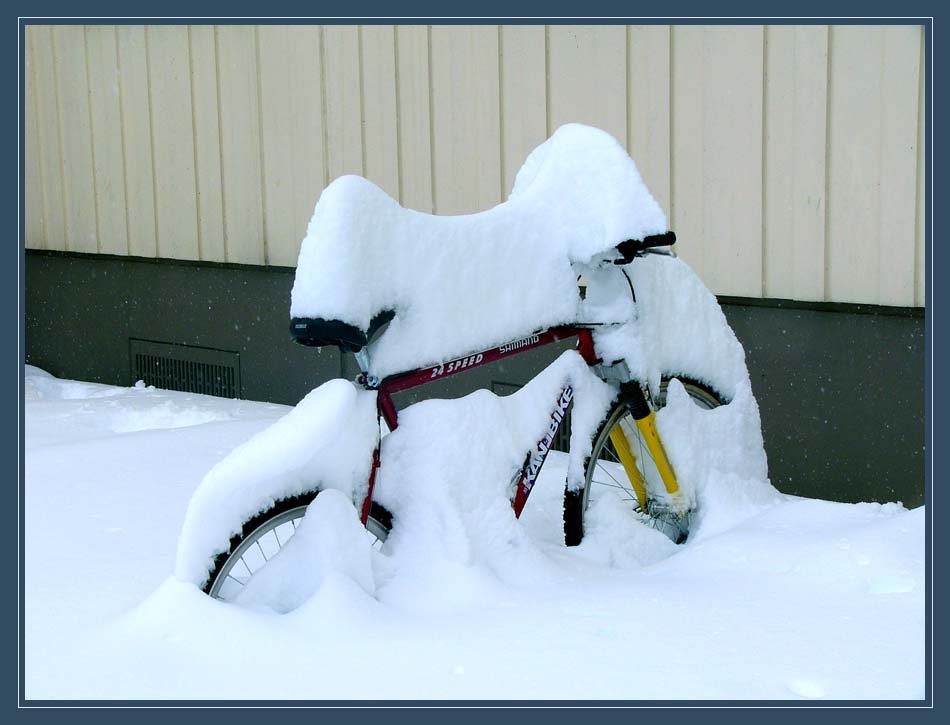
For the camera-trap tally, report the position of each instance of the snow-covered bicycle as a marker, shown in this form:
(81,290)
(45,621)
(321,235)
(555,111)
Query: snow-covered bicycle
(627,458)
(552,263)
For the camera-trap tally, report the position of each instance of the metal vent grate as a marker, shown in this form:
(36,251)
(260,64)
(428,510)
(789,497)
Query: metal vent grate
(186,368)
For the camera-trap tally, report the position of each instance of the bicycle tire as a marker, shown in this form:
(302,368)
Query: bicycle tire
(284,512)
(576,503)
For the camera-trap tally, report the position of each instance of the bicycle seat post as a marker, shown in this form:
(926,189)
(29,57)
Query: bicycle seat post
(362,359)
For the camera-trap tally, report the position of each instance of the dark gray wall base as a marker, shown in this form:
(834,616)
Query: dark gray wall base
(840,388)
(841,396)
(81,311)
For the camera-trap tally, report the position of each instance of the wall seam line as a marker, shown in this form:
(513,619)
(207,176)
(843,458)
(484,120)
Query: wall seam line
(398,91)
(879,211)
(360,71)
(62,144)
(628,90)
(194,145)
(122,141)
(92,135)
(765,135)
(265,252)
(224,197)
(501,117)
(324,106)
(921,108)
(671,120)
(828,95)
(431,117)
(31,49)
(547,81)
(151,141)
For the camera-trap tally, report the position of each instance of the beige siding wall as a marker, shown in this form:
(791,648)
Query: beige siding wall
(790,159)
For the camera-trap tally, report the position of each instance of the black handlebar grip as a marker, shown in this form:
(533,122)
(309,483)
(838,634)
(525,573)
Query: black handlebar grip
(632,247)
(658,240)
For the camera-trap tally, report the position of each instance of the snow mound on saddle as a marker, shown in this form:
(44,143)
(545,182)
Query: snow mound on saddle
(463,283)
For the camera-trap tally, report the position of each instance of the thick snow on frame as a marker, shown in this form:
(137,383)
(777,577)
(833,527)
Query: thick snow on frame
(325,442)
(459,284)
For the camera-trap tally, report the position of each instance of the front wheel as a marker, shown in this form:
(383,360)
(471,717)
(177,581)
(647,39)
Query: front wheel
(606,476)
(266,534)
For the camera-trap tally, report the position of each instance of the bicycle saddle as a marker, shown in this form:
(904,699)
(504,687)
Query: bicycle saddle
(317,332)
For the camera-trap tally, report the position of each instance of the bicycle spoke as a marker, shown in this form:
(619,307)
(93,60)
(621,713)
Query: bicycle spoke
(615,484)
(625,491)
(618,483)
(259,539)
(657,512)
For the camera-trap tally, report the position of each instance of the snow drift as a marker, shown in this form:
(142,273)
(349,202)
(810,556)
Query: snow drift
(785,604)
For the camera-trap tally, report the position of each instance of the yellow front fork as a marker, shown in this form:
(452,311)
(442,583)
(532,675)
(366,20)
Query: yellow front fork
(647,427)
(629,462)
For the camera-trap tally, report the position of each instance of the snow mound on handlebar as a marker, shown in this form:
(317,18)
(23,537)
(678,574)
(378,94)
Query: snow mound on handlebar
(678,329)
(464,283)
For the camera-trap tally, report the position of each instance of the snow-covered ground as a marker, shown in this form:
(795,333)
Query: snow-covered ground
(777,598)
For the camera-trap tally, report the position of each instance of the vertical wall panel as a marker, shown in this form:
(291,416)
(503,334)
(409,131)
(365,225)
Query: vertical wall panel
(717,174)
(176,209)
(33,227)
(135,108)
(920,291)
(872,175)
(588,77)
(344,111)
(75,129)
(106,117)
(794,230)
(50,149)
(465,114)
(379,107)
(245,236)
(523,97)
(293,135)
(204,101)
(277,94)
(413,113)
(687,191)
(900,91)
(648,110)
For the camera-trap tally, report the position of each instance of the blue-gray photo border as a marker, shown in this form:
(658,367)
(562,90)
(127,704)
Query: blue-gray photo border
(491,13)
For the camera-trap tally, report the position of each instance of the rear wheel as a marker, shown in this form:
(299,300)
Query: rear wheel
(266,534)
(606,476)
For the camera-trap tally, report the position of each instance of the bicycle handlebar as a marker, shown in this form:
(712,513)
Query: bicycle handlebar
(634,247)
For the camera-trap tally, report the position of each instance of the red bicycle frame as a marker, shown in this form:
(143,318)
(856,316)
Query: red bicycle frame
(415,378)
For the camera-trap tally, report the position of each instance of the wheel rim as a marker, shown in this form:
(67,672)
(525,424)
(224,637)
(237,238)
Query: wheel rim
(606,475)
(263,544)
